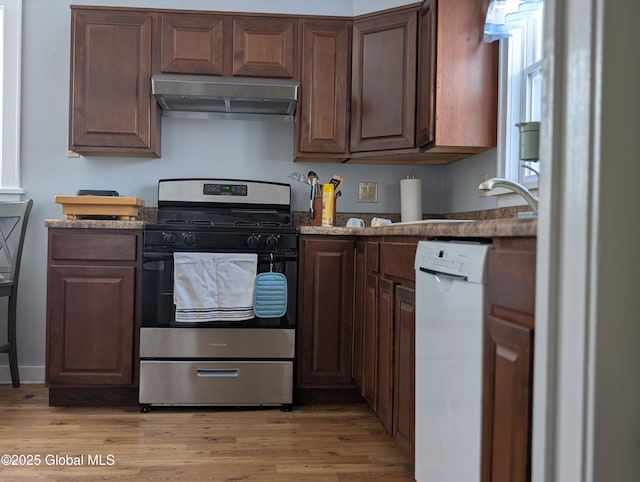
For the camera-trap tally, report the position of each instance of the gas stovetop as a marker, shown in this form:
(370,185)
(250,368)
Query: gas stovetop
(231,238)
(222,214)
(223,218)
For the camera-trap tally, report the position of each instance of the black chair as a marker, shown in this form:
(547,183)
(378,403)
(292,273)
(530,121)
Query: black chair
(13,225)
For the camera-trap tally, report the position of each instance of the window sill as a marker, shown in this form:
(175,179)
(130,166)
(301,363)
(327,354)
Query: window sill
(11,194)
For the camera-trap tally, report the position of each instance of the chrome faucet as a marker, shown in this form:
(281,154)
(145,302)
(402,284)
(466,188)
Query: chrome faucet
(494,182)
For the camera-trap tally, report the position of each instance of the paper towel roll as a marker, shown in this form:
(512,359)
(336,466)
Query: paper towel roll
(410,200)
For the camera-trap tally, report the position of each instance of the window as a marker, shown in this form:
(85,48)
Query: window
(520,94)
(10,38)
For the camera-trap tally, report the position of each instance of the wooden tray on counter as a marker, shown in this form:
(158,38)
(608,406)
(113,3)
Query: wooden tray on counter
(124,208)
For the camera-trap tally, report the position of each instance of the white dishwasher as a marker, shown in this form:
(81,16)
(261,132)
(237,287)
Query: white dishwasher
(450,285)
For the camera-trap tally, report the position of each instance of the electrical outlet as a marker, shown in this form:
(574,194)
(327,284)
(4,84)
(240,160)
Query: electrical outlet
(367,192)
(482,178)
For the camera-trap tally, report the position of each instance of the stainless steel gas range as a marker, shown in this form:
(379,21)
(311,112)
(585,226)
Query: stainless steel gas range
(223,355)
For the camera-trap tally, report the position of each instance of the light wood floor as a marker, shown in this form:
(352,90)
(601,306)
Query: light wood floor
(325,443)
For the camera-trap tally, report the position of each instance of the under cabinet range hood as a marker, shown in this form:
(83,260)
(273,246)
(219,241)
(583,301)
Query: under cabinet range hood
(230,95)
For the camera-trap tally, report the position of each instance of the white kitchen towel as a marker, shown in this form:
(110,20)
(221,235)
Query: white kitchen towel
(214,286)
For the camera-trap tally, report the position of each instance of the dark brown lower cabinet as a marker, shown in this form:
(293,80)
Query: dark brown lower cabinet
(384,372)
(385,281)
(404,370)
(358,311)
(508,361)
(509,350)
(92,316)
(91,325)
(325,321)
(370,341)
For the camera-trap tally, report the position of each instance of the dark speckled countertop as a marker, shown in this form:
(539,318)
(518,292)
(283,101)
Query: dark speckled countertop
(490,228)
(92,224)
(500,226)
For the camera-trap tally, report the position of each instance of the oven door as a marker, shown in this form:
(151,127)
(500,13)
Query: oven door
(158,308)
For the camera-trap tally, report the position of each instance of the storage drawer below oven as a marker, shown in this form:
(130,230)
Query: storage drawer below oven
(216,383)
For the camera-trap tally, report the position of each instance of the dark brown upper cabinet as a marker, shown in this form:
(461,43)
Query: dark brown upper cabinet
(383,91)
(457,94)
(322,127)
(264,46)
(228,45)
(192,44)
(425,86)
(413,84)
(112,111)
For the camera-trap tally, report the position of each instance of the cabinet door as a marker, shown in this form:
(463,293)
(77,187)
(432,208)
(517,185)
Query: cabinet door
(323,109)
(90,325)
(404,371)
(112,110)
(384,82)
(370,341)
(426,94)
(359,313)
(459,110)
(192,44)
(507,390)
(325,330)
(264,47)
(507,393)
(384,378)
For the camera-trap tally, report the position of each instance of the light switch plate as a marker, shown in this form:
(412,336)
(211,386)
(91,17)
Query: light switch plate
(367,192)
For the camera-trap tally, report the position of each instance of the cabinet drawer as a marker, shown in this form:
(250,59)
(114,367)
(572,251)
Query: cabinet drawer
(511,276)
(96,247)
(396,259)
(215,383)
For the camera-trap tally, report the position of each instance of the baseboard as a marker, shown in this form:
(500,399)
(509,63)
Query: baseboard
(28,375)
(312,396)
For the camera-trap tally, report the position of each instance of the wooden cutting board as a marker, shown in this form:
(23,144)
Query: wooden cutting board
(125,208)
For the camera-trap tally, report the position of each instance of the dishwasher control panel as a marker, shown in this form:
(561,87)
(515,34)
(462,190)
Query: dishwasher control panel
(458,259)
(445,260)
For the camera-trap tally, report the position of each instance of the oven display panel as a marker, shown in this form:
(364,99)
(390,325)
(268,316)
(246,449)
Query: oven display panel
(225,190)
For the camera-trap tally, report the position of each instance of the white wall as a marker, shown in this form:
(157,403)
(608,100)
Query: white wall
(460,183)
(190,147)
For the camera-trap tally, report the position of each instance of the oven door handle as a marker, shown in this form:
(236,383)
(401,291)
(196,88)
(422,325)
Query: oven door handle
(217,372)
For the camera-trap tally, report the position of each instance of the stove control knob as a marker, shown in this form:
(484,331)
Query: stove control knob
(189,239)
(273,241)
(168,237)
(253,241)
